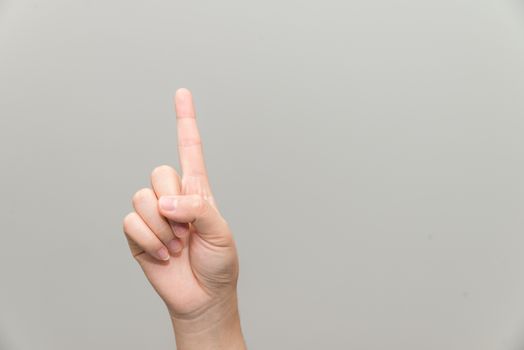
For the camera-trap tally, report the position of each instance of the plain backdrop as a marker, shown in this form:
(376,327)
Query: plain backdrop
(368,155)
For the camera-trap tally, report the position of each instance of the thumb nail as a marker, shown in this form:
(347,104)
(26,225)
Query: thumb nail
(167,203)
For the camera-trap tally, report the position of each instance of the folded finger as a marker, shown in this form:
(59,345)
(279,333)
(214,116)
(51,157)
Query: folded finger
(145,204)
(142,239)
(166,182)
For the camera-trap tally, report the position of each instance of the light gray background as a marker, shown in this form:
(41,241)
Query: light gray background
(368,154)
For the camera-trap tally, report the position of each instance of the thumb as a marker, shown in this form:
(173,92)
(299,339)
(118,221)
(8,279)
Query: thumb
(196,210)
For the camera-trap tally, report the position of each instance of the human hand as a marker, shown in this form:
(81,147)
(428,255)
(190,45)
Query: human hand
(185,247)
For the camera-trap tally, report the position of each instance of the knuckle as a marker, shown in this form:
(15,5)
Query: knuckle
(141,196)
(189,141)
(161,169)
(200,205)
(128,221)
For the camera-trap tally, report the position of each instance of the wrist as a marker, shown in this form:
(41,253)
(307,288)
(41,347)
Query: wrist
(216,327)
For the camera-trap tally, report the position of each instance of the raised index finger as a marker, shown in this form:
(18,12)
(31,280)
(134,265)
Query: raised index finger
(189,142)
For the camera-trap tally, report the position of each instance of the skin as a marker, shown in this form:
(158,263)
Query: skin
(185,247)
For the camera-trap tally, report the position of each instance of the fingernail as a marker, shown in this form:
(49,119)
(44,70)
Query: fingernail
(167,203)
(174,246)
(162,254)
